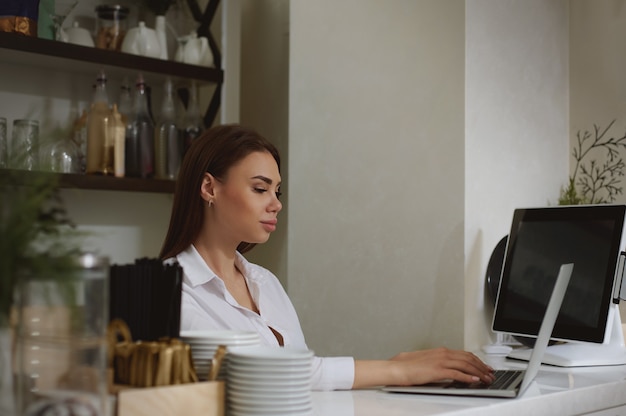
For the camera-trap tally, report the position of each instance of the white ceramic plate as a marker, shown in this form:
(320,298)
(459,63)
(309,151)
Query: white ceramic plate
(266,353)
(267,376)
(271,368)
(233,412)
(276,408)
(281,402)
(218,335)
(268,395)
(269,386)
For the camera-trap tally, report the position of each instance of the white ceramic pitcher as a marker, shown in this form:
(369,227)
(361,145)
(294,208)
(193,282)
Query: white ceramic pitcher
(194,50)
(142,40)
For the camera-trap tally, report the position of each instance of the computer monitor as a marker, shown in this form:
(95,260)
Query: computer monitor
(540,240)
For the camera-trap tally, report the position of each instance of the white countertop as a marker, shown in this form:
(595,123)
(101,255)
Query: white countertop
(555,391)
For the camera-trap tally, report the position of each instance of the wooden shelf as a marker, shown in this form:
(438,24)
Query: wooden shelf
(54,56)
(101,182)
(49,54)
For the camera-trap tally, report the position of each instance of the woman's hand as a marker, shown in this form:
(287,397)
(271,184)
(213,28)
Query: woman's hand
(421,367)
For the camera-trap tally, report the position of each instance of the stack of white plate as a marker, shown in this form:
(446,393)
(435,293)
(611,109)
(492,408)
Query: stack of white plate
(267,380)
(204,344)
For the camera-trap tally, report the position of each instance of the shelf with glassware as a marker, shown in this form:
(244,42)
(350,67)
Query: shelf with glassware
(20,50)
(58,55)
(30,51)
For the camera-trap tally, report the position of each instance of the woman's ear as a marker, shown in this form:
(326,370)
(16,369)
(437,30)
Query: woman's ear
(207,189)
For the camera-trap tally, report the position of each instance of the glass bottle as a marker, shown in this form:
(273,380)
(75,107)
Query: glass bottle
(140,136)
(114,139)
(168,144)
(125,108)
(118,133)
(125,105)
(193,124)
(79,137)
(96,123)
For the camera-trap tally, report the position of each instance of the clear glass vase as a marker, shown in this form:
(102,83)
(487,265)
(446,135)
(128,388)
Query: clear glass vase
(7,394)
(61,341)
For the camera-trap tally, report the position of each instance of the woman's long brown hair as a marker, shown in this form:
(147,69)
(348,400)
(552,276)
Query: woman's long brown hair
(215,151)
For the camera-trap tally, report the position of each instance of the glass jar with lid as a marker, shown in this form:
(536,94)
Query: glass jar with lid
(111,26)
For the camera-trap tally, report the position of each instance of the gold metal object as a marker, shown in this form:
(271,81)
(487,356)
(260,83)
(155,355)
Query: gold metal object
(147,364)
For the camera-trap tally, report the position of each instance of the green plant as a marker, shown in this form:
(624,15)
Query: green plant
(595,180)
(37,237)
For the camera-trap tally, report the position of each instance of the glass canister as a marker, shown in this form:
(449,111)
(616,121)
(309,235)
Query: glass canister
(111,26)
(24,149)
(61,346)
(64,157)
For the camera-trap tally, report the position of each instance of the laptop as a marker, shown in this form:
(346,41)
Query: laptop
(508,383)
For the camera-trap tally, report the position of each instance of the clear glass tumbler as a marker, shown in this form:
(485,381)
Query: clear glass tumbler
(61,341)
(24,149)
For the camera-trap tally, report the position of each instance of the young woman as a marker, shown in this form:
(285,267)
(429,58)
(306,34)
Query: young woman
(226,201)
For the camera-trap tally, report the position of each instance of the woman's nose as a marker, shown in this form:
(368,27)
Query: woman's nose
(276,204)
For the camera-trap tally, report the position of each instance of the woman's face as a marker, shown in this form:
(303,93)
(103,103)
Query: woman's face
(246,201)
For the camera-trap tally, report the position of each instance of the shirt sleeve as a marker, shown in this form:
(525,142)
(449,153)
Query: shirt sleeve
(333,373)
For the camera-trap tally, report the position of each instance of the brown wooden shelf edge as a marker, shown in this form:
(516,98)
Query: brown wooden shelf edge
(55,49)
(111,183)
(105,183)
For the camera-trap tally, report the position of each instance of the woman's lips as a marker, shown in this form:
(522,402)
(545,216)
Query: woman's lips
(270,225)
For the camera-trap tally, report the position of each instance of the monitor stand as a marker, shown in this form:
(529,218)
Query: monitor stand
(574,354)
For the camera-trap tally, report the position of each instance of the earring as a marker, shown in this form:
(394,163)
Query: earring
(210,203)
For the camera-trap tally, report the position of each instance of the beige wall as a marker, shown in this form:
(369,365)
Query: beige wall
(597,62)
(516,128)
(376,178)
(597,75)
(121,225)
(264,103)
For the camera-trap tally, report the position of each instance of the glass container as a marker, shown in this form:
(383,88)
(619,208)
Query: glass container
(24,149)
(192,124)
(111,26)
(61,340)
(97,120)
(64,157)
(168,145)
(139,149)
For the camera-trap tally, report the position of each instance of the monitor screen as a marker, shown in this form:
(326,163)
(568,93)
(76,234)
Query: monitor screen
(540,240)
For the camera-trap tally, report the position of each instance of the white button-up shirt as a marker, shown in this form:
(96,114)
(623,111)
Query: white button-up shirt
(207,304)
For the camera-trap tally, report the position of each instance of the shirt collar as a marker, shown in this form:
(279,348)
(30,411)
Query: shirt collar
(198,272)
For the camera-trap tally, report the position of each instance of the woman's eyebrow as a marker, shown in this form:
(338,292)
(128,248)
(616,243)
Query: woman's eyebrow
(264,179)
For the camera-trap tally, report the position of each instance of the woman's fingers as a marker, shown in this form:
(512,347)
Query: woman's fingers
(442,363)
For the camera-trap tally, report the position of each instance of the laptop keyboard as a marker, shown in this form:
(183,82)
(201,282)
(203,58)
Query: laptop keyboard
(504,379)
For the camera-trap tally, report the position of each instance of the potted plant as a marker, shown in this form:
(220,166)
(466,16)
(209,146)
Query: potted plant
(596,178)
(36,239)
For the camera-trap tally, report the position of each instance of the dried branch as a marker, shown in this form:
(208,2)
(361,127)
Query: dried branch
(594,182)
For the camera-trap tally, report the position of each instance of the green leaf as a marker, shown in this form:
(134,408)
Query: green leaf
(37,238)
